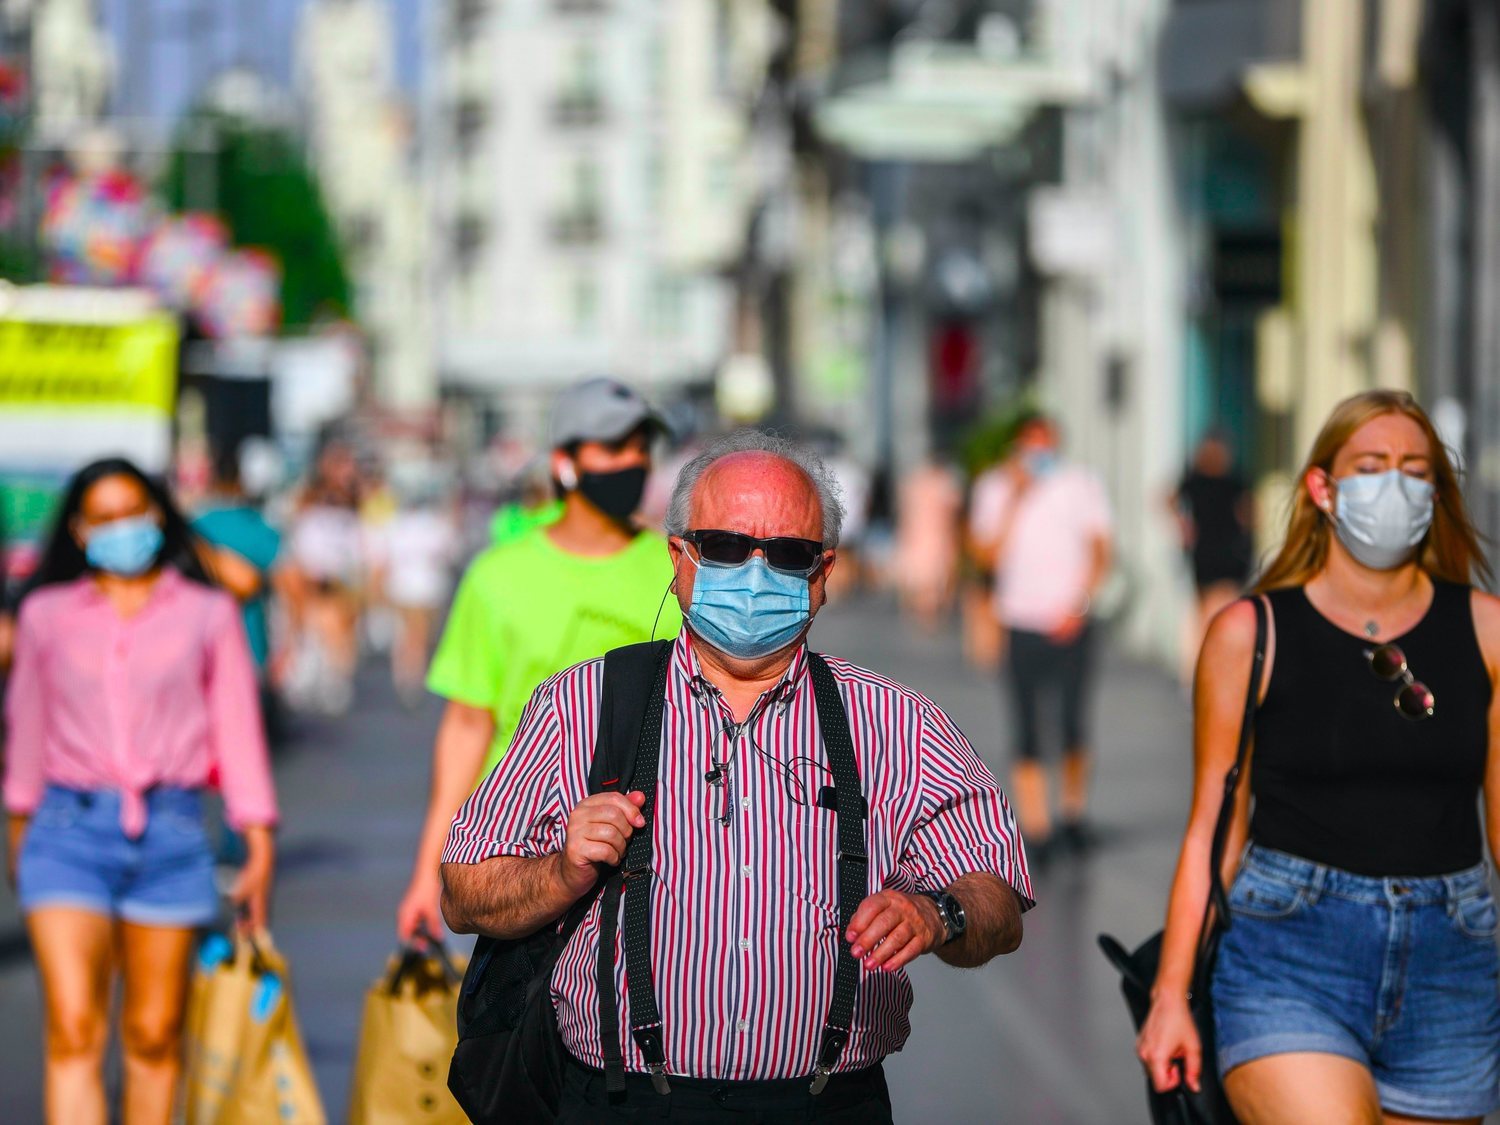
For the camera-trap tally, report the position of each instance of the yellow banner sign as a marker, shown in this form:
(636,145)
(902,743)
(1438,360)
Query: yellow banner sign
(88,366)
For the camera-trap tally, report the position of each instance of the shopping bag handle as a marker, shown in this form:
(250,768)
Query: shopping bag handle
(256,940)
(421,948)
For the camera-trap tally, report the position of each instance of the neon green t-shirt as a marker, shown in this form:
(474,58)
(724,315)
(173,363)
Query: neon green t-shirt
(529,609)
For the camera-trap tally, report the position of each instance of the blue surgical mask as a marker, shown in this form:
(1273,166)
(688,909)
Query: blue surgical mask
(1381,518)
(750,610)
(1039,462)
(125,547)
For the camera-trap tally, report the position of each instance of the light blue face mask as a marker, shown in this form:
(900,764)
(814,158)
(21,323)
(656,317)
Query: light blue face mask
(750,610)
(1381,518)
(1039,462)
(125,547)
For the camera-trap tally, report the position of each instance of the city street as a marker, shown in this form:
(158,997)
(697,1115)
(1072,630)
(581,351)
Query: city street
(1041,1037)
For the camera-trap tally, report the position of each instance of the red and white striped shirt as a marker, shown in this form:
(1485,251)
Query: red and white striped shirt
(744,906)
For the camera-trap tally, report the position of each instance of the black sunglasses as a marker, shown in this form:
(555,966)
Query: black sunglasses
(730,548)
(1414,700)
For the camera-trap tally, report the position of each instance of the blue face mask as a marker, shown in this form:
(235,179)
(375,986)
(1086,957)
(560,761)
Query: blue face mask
(1382,518)
(125,547)
(1039,462)
(750,610)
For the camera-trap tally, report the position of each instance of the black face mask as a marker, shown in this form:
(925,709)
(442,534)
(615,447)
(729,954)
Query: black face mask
(616,494)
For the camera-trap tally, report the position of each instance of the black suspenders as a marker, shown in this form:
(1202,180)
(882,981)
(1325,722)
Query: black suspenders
(633,883)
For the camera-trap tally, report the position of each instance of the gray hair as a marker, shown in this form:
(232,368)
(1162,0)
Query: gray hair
(830,494)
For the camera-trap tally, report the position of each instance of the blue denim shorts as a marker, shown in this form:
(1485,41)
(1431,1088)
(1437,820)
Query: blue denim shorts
(76,854)
(1400,975)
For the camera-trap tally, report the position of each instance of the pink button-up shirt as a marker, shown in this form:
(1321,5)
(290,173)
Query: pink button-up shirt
(100,701)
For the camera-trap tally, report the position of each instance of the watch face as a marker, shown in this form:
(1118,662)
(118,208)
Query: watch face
(953,913)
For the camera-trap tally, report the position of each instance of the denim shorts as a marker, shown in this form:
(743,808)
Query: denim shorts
(76,854)
(1400,975)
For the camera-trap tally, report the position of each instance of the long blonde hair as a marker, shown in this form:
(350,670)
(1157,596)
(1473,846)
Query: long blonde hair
(1451,552)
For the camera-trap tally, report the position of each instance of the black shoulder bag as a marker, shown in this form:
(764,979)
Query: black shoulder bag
(508,1066)
(1138,970)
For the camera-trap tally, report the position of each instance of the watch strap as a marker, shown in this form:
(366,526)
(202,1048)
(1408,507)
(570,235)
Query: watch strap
(940,900)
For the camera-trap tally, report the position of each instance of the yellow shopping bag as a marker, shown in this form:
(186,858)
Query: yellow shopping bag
(405,1043)
(246,1064)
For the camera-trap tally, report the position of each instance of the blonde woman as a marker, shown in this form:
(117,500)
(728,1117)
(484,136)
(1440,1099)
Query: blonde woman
(1358,979)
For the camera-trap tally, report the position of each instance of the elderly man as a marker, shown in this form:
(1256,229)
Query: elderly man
(755,822)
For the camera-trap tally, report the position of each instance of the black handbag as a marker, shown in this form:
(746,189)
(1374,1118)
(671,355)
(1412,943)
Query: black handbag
(1208,1106)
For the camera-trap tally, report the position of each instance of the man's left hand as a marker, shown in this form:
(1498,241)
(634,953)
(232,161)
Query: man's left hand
(892,929)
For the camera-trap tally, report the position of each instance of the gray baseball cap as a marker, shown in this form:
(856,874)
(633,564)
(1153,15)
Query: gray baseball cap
(599,409)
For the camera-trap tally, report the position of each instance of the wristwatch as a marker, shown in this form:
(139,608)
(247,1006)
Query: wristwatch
(955,921)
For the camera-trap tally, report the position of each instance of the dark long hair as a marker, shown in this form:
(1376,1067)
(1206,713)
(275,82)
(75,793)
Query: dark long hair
(63,559)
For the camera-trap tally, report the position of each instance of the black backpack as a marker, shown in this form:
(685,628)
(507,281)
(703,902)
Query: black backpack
(508,1066)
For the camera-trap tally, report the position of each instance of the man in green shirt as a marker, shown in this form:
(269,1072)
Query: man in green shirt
(560,594)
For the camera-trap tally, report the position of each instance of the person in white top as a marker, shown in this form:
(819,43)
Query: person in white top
(1044,526)
(419,549)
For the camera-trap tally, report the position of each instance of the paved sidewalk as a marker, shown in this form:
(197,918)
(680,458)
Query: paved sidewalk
(1038,1038)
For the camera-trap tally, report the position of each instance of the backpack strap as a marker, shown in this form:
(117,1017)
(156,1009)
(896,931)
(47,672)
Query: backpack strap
(625,758)
(853,862)
(633,883)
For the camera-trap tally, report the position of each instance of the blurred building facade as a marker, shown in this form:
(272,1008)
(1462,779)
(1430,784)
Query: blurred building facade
(359,136)
(587,179)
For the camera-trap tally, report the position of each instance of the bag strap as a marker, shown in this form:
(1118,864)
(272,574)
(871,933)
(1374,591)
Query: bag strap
(625,758)
(853,862)
(1218,899)
(629,676)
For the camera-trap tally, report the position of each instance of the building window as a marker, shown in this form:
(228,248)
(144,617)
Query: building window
(470,117)
(466,17)
(581,218)
(362,237)
(585,301)
(581,100)
(470,232)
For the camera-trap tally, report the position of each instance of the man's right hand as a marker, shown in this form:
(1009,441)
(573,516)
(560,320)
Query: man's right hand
(599,828)
(420,908)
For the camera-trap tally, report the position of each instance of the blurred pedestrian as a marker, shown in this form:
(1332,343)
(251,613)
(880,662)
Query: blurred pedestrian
(322,581)
(1045,528)
(1214,511)
(243,549)
(562,593)
(743,937)
(1358,980)
(7,615)
(927,533)
(132,681)
(860,542)
(419,550)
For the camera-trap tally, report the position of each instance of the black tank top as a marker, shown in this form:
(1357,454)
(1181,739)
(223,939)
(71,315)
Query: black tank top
(1340,777)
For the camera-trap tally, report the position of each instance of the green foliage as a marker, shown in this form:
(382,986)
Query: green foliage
(258,182)
(989,439)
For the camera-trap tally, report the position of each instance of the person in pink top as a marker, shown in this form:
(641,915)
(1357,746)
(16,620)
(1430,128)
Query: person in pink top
(132,682)
(1044,525)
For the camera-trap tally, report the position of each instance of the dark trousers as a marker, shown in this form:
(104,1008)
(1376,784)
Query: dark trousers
(857,1098)
(1036,667)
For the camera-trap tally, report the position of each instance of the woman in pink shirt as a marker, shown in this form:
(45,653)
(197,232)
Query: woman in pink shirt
(132,683)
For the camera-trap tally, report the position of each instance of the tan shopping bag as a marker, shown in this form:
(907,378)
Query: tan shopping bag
(246,1064)
(405,1043)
